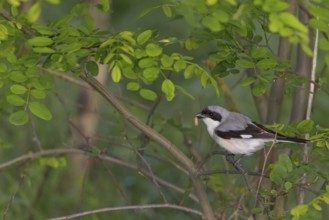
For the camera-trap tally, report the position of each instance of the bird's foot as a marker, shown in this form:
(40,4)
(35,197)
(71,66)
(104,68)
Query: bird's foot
(234,161)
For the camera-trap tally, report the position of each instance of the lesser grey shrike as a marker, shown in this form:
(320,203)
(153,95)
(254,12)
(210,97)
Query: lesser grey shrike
(237,133)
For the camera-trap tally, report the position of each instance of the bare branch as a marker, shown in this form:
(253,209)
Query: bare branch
(103,156)
(132,207)
(13,197)
(140,156)
(301,193)
(212,172)
(78,82)
(158,138)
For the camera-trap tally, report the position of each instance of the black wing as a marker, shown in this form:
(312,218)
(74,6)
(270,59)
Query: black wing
(254,130)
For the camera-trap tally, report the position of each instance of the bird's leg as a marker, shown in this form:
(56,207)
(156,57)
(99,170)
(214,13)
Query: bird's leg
(207,157)
(234,161)
(237,165)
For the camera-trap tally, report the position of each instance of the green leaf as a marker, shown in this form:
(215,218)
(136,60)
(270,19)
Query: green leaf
(266,64)
(319,24)
(40,110)
(259,89)
(54,2)
(126,58)
(147,62)
(275,23)
(245,63)
(323,44)
(144,36)
(287,186)
(40,41)
(166,61)
(247,81)
(153,50)
(18,89)
(133,86)
(43,29)
(189,71)
(129,73)
(104,5)
(221,16)
(43,50)
(139,53)
(116,73)
(168,88)
(212,23)
(17,76)
(3,32)
(191,44)
(299,210)
(38,94)
(305,126)
(179,65)
(316,206)
(204,80)
(128,36)
(167,10)
(36,83)
(148,94)
(34,12)
(107,42)
(108,57)
(92,68)
(277,174)
(69,48)
(15,100)
(19,118)
(285,161)
(54,162)
(151,73)
(286,32)
(3,67)
(292,21)
(259,52)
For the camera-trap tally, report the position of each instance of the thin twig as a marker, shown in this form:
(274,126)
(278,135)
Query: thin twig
(35,136)
(198,185)
(103,156)
(84,178)
(212,172)
(13,197)
(83,84)
(23,28)
(115,180)
(140,156)
(132,207)
(301,194)
(236,164)
(266,156)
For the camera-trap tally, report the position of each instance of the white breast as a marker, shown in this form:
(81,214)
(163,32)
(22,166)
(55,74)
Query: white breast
(241,146)
(244,145)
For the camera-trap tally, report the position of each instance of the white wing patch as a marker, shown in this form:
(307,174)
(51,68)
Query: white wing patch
(246,136)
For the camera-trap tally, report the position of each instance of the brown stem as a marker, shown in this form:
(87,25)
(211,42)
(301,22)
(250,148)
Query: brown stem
(132,207)
(158,138)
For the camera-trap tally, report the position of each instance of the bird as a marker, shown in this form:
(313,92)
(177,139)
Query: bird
(237,133)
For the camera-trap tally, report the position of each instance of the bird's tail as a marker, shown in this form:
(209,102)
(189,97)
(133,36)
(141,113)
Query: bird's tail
(282,138)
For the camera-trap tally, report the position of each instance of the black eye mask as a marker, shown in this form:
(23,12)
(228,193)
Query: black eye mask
(211,114)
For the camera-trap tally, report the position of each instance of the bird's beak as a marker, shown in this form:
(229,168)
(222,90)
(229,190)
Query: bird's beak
(200,116)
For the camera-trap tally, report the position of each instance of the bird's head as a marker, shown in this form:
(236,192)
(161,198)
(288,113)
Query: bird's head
(212,116)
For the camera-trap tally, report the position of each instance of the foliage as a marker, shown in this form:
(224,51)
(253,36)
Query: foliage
(145,65)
